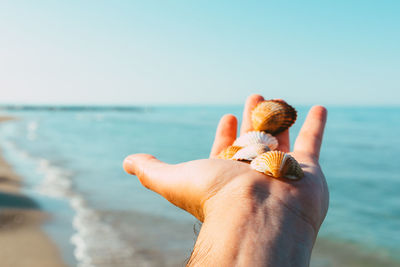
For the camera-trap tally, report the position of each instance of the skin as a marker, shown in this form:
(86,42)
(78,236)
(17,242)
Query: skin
(249,218)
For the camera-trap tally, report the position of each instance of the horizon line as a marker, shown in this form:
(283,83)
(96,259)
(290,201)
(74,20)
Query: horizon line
(142,107)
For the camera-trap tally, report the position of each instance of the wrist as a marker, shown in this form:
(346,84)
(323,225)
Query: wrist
(241,230)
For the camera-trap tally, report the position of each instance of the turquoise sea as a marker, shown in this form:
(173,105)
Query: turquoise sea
(71,161)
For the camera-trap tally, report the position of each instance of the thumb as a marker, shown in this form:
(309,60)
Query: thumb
(152,173)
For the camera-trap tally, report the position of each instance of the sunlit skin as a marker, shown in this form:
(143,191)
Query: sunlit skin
(249,218)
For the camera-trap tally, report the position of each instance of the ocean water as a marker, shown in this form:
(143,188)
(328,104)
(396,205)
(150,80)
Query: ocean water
(71,161)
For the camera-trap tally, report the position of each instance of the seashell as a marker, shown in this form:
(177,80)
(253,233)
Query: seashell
(257,137)
(228,152)
(250,152)
(273,116)
(278,164)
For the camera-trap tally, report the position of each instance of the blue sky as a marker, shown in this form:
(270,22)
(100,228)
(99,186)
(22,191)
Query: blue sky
(199,52)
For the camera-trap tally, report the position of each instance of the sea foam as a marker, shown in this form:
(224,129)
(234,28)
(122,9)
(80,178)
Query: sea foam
(96,244)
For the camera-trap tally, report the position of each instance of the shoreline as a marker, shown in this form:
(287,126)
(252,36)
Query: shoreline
(22,241)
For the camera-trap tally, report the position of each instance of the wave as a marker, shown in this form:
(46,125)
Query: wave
(96,244)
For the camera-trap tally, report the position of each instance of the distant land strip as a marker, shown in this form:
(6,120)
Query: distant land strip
(71,108)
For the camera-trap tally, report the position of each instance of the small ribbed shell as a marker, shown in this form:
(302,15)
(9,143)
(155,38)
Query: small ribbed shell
(257,137)
(250,152)
(273,116)
(228,152)
(278,164)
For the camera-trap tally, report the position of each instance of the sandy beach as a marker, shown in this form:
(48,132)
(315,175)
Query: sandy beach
(22,242)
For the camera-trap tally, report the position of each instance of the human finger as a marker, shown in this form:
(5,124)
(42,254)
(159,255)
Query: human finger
(251,103)
(180,184)
(283,140)
(283,137)
(311,133)
(225,135)
(154,174)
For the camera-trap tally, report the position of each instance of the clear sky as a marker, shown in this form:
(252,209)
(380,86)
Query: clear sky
(198,52)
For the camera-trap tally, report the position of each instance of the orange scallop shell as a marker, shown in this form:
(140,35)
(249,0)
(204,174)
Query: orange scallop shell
(273,116)
(278,164)
(228,152)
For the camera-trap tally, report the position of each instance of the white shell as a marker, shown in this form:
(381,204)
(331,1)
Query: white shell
(250,152)
(256,137)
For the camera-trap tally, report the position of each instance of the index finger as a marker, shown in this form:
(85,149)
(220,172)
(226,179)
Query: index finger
(225,135)
(310,136)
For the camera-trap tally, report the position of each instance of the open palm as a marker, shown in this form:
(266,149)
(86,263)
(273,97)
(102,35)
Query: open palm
(204,187)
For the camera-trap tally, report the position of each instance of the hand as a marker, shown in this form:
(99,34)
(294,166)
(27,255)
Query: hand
(213,189)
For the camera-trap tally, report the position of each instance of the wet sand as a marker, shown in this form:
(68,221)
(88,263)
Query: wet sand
(22,242)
